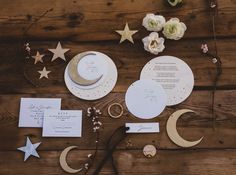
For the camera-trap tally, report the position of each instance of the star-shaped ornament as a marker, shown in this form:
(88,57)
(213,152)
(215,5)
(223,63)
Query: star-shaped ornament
(44,73)
(126,34)
(29,149)
(59,52)
(38,57)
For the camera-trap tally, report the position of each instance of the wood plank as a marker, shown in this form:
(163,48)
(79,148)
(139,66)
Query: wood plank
(83,21)
(190,126)
(185,162)
(13,66)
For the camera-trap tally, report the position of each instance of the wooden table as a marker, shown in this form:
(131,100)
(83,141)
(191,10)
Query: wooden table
(83,25)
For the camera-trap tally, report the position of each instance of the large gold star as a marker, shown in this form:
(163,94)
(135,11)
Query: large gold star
(126,34)
(44,73)
(59,52)
(38,57)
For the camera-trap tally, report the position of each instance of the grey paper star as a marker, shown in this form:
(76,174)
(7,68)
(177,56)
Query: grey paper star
(29,149)
(44,73)
(59,52)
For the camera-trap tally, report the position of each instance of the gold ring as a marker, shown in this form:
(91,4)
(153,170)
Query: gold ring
(115,116)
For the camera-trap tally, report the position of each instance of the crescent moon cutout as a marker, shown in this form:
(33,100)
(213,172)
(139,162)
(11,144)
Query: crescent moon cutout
(173,133)
(63,162)
(73,73)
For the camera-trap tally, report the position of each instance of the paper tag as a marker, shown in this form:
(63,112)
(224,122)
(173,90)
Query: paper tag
(143,127)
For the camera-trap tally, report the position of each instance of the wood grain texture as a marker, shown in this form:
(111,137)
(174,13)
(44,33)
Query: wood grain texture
(132,162)
(83,25)
(129,65)
(190,126)
(91,21)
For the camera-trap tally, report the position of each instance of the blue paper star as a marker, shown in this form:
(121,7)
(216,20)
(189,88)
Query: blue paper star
(29,149)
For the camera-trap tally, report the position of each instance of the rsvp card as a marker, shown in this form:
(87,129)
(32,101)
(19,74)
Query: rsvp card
(62,123)
(32,110)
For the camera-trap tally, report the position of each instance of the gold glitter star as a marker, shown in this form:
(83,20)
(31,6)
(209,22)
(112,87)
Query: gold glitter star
(38,57)
(59,52)
(44,73)
(126,34)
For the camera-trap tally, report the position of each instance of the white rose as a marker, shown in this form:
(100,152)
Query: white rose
(153,43)
(174,29)
(153,22)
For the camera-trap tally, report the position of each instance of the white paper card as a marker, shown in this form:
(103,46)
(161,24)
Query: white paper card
(92,66)
(62,123)
(145,99)
(143,127)
(173,74)
(32,110)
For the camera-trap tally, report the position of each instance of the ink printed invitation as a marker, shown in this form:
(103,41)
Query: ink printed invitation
(32,110)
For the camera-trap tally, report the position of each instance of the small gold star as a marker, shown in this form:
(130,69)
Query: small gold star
(44,73)
(126,34)
(59,52)
(38,57)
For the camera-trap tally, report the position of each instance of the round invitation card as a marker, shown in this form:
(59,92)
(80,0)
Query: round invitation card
(90,75)
(145,99)
(173,74)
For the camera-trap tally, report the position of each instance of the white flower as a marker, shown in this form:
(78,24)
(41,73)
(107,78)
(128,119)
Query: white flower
(153,22)
(174,29)
(153,43)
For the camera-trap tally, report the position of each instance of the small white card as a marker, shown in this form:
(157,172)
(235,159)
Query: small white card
(32,110)
(143,127)
(62,123)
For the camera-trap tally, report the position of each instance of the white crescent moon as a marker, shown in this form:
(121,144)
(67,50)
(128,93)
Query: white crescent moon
(173,133)
(73,73)
(63,162)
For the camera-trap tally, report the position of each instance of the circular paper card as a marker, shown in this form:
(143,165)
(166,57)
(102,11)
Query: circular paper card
(173,74)
(145,99)
(91,67)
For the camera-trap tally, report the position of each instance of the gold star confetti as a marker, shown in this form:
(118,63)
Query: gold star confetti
(59,52)
(126,34)
(38,57)
(44,73)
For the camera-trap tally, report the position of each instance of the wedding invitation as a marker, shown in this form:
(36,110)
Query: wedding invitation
(62,123)
(32,110)
(173,74)
(145,99)
(92,66)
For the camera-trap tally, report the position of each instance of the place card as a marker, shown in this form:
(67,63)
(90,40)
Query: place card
(143,127)
(62,123)
(32,110)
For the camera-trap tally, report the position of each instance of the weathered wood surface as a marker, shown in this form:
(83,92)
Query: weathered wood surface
(191,126)
(129,65)
(96,20)
(89,25)
(184,162)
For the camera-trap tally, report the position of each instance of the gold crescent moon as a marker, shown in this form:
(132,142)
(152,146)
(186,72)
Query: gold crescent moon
(63,162)
(173,133)
(73,73)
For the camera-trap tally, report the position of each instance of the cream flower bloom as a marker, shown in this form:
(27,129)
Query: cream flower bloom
(174,29)
(153,22)
(153,43)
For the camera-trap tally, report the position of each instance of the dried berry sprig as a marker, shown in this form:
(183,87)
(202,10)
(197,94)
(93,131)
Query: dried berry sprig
(26,45)
(94,114)
(215,57)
